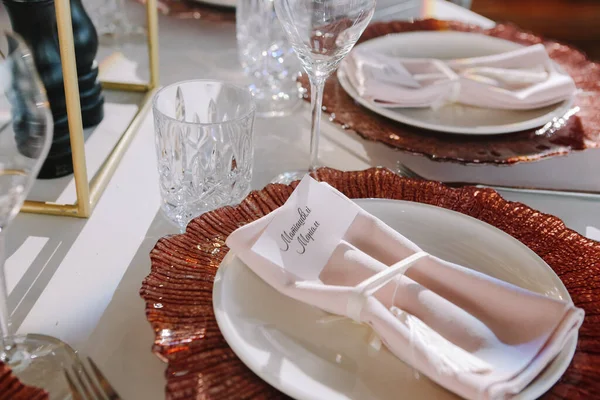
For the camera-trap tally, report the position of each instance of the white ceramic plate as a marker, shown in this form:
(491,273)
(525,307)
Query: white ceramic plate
(223,3)
(453,118)
(279,339)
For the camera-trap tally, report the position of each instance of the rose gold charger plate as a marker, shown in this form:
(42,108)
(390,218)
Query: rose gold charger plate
(580,131)
(11,388)
(178,290)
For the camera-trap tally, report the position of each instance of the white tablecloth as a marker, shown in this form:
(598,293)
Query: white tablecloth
(78,280)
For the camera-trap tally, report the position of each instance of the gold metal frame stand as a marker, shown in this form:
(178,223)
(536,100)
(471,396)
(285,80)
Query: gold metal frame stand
(89,192)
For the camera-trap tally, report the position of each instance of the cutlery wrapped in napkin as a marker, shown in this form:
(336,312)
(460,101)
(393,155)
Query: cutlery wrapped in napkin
(475,335)
(522,79)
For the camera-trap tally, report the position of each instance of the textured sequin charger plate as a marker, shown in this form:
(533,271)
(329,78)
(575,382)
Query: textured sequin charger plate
(178,291)
(13,389)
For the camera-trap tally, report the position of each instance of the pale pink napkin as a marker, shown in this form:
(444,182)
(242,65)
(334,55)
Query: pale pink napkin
(477,336)
(517,80)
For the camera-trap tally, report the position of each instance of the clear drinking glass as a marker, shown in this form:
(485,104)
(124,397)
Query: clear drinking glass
(321,32)
(204,145)
(267,58)
(25,138)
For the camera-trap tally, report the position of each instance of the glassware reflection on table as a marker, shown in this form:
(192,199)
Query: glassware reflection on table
(322,33)
(204,146)
(267,58)
(25,138)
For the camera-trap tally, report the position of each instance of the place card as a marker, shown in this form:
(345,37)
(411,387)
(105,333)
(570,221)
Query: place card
(306,229)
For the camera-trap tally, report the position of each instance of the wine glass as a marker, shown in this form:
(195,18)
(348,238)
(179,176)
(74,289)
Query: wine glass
(25,138)
(322,33)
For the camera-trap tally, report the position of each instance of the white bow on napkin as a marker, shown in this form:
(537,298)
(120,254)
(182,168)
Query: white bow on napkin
(517,80)
(477,336)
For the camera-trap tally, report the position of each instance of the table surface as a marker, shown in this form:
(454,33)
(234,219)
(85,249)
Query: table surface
(78,280)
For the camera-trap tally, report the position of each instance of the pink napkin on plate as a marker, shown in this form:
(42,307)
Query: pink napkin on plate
(475,335)
(517,80)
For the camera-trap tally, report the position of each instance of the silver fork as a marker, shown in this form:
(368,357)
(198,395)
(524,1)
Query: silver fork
(84,387)
(406,172)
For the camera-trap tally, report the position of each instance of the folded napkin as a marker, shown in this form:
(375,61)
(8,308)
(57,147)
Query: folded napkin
(517,80)
(475,335)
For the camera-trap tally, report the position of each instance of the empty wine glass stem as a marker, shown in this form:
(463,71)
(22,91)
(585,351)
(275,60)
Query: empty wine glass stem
(316,100)
(8,344)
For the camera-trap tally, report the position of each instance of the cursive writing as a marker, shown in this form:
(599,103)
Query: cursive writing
(287,237)
(305,238)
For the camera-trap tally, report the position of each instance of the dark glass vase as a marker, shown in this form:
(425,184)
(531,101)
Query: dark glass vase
(35,21)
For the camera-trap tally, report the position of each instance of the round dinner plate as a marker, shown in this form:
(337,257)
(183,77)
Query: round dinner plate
(453,118)
(281,341)
(223,3)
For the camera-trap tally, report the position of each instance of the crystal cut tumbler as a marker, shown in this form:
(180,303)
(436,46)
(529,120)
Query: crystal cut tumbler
(204,146)
(267,58)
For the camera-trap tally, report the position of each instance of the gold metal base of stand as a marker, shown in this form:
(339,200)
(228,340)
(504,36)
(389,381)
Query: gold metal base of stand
(89,192)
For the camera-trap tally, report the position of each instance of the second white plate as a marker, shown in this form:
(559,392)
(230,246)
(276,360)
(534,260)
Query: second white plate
(281,341)
(454,118)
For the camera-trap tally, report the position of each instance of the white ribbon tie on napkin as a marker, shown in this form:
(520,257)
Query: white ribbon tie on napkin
(522,79)
(446,358)
(475,335)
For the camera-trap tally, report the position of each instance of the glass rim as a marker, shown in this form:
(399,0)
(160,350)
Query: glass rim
(21,46)
(230,121)
(21,50)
